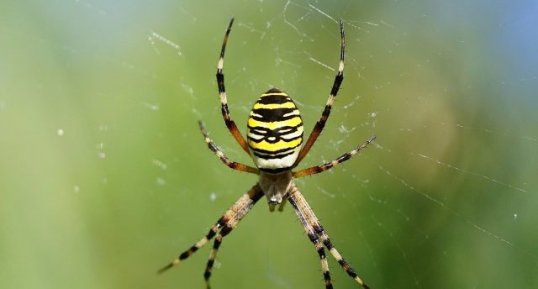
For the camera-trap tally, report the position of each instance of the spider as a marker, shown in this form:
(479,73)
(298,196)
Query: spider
(274,142)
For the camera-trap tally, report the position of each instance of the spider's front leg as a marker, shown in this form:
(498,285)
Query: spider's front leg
(221,228)
(241,209)
(317,234)
(313,237)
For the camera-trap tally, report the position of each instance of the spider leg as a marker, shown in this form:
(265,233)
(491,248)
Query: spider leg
(223,226)
(211,259)
(320,124)
(303,216)
(187,253)
(230,124)
(215,149)
(331,164)
(343,263)
(310,221)
(241,209)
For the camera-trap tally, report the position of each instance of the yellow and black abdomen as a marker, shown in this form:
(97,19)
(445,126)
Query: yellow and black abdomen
(275,131)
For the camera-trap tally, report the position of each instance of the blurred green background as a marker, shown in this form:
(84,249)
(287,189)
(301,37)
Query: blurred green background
(104,176)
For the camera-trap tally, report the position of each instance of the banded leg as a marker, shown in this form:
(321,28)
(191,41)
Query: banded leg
(343,263)
(186,254)
(230,124)
(224,225)
(320,124)
(228,227)
(215,149)
(337,161)
(314,238)
(304,211)
(211,260)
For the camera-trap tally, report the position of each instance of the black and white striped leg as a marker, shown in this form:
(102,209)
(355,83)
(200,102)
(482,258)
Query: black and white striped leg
(224,225)
(311,224)
(211,259)
(186,254)
(215,149)
(337,161)
(320,124)
(324,266)
(230,124)
(216,245)
(343,263)
(314,238)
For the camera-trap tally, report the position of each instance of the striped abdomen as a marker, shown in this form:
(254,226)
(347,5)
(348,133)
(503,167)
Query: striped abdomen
(275,131)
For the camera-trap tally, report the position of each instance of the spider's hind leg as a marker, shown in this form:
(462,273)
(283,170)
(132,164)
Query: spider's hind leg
(320,124)
(230,123)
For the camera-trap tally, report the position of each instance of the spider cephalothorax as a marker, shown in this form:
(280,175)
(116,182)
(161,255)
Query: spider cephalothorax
(275,143)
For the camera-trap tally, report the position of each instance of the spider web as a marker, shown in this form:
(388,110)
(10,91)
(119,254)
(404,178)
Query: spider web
(105,171)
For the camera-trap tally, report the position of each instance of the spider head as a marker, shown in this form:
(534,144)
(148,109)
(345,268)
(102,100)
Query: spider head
(275,131)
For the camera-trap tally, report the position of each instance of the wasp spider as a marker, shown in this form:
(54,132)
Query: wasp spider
(274,142)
